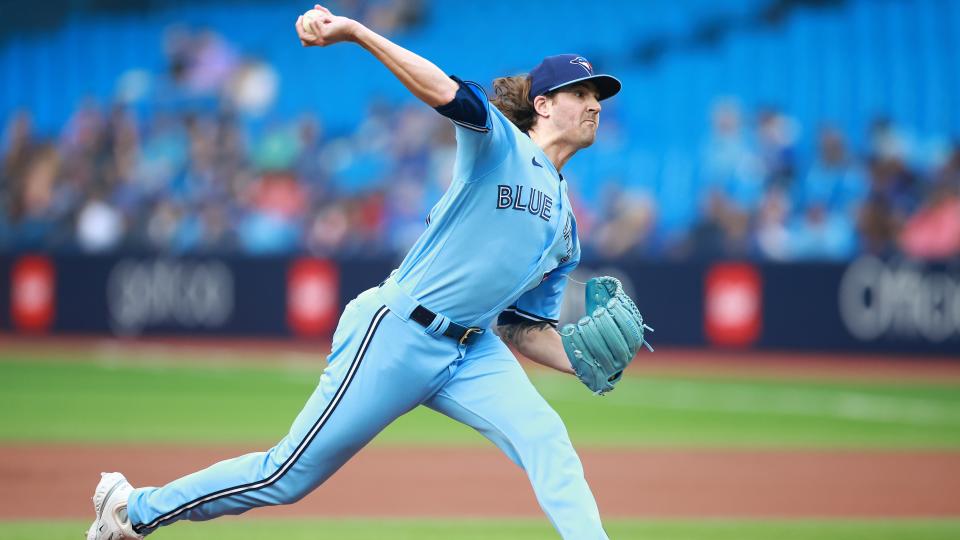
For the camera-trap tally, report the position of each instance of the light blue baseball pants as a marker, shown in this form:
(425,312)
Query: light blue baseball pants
(382,366)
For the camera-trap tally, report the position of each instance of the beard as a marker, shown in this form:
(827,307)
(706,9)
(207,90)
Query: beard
(588,136)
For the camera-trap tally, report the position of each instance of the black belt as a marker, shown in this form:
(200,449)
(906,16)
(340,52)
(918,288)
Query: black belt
(462,334)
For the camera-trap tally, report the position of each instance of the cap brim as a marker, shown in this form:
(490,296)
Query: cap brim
(607,85)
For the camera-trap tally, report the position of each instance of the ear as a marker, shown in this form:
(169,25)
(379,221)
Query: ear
(542,106)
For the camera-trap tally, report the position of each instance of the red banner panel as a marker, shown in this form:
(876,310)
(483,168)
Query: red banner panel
(313,297)
(32,294)
(733,306)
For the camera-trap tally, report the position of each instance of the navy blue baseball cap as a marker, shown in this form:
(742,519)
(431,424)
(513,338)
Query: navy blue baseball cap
(566,69)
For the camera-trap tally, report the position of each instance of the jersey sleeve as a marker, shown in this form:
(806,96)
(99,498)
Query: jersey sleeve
(468,108)
(540,304)
(484,135)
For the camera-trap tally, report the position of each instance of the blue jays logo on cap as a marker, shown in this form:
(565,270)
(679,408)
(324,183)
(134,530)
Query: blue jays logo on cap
(565,69)
(583,62)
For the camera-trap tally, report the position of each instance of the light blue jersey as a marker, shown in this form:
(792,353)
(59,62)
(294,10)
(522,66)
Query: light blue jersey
(502,237)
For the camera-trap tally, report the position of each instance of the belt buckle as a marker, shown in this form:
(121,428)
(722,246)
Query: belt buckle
(466,335)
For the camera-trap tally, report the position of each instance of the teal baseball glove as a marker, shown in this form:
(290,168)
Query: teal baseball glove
(603,343)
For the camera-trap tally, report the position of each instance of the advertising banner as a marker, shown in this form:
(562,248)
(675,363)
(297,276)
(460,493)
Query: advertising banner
(868,305)
(137,295)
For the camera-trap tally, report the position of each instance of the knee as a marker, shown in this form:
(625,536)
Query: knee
(292,484)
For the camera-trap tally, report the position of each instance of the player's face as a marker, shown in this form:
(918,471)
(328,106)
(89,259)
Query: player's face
(576,113)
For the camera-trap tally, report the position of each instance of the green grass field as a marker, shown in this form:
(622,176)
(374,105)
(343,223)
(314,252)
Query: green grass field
(56,395)
(158,402)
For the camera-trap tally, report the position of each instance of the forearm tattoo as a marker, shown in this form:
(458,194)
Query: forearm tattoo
(514,334)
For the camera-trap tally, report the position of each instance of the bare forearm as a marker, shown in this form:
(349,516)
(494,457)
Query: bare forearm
(540,343)
(424,80)
(546,348)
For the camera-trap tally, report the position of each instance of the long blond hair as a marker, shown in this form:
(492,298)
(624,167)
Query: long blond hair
(513,100)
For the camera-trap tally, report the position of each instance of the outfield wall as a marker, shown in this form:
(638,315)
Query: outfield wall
(868,305)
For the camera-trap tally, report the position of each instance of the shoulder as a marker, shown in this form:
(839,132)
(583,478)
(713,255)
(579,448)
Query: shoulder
(502,118)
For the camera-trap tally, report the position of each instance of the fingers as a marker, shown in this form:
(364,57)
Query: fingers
(326,11)
(302,28)
(299,26)
(309,33)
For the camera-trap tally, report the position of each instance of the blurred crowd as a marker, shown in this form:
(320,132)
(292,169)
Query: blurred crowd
(192,177)
(194,183)
(760,197)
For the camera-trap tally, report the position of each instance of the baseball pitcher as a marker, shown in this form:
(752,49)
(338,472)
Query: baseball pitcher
(497,251)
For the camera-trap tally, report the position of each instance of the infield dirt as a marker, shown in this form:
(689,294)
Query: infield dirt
(56,481)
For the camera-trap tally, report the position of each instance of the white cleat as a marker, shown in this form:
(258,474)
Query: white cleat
(110,504)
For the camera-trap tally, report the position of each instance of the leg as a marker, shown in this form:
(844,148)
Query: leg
(490,392)
(369,382)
